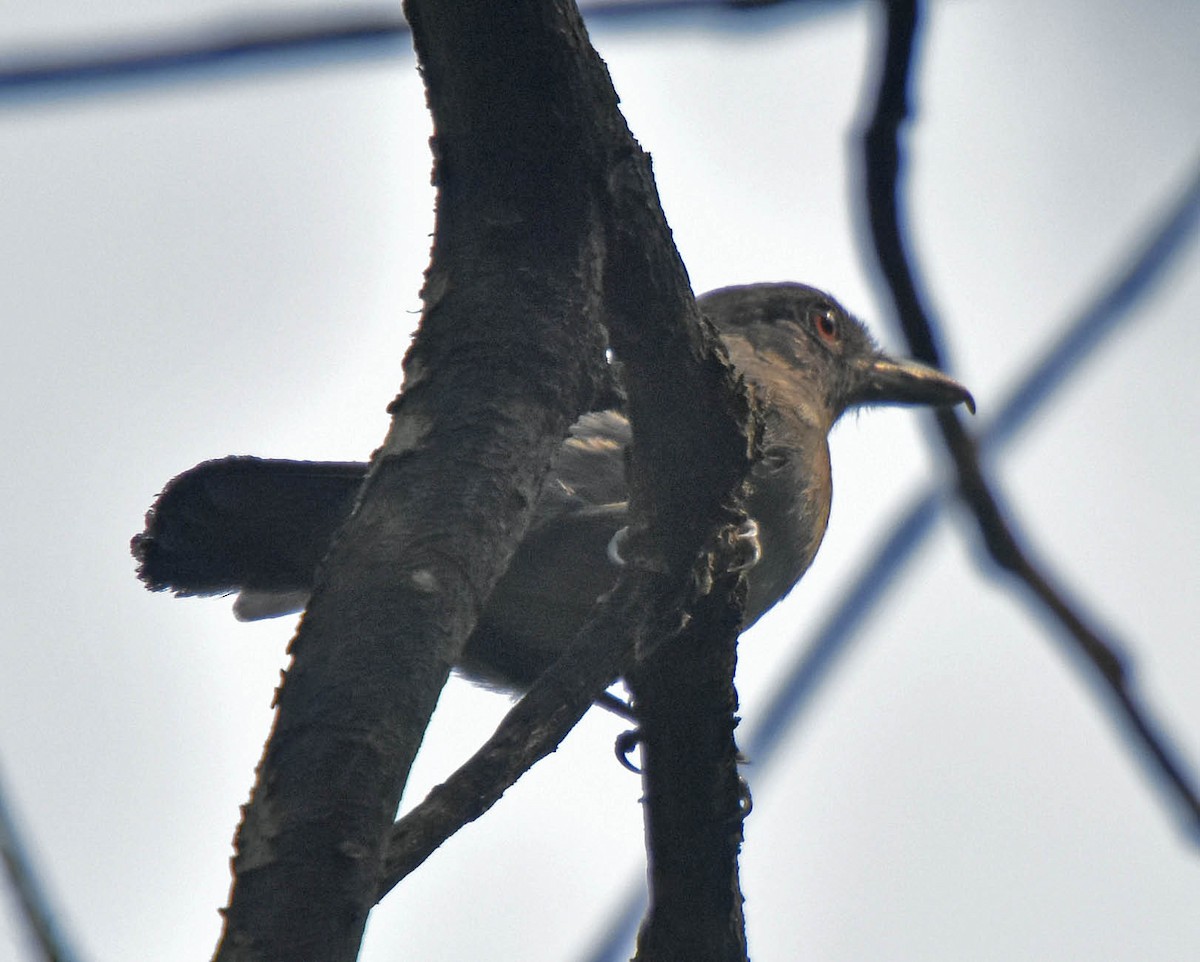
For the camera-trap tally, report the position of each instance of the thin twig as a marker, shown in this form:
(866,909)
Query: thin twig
(34,903)
(371,30)
(532,729)
(883,168)
(1147,265)
(199,48)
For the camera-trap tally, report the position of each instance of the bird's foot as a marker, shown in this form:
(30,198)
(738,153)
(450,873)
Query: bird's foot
(624,746)
(615,546)
(741,546)
(745,800)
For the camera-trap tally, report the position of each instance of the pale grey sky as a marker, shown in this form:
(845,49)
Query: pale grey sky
(231,264)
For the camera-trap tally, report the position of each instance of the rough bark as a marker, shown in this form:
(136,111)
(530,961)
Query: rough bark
(547,226)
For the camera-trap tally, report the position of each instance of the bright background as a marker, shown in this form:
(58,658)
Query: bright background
(229,262)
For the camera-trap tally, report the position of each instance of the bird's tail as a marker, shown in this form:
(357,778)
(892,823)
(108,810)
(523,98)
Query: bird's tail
(245,524)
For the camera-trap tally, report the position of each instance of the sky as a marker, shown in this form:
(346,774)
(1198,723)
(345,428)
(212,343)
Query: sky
(229,262)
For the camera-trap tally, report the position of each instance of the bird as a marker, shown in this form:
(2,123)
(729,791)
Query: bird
(260,527)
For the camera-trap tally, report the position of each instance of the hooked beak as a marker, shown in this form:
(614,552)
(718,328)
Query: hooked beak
(888,381)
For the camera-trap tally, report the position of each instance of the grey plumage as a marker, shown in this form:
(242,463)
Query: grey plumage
(261,527)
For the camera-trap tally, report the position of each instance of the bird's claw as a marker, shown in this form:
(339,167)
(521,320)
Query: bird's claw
(624,746)
(740,544)
(745,800)
(743,546)
(616,542)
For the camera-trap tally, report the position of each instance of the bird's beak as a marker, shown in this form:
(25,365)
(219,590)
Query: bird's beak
(888,381)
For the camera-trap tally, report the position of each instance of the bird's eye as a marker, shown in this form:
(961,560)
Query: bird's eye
(827,326)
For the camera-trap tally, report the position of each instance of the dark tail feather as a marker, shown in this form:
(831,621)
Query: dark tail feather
(244,523)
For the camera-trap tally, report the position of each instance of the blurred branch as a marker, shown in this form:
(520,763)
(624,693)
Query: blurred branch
(1122,290)
(883,164)
(1156,253)
(369,31)
(34,903)
(199,48)
(1146,266)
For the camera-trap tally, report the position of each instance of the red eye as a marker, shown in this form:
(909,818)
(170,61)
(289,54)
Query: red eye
(827,327)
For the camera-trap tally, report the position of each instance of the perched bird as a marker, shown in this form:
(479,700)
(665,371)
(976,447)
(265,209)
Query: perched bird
(261,527)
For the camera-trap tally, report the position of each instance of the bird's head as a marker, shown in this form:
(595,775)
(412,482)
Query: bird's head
(812,355)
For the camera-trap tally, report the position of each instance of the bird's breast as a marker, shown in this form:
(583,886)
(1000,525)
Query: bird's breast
(790,497)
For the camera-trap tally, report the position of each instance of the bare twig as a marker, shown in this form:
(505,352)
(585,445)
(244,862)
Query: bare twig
(372,30)
(1147,265)
(34,904)
(528,733)
(199,48)
(883,165)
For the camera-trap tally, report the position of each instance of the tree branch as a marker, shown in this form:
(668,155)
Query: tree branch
(883,168)
(690,457)
(508,354)
(530,731)
(46,932)
(685,471)
(371,30)
(547,223)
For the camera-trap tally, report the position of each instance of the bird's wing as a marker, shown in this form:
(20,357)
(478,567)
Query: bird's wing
(562,566)
(588,470)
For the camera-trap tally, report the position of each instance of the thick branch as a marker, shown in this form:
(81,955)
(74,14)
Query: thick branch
(690,457)
(687,469)
(508,354)
(694,797)
(530,152)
